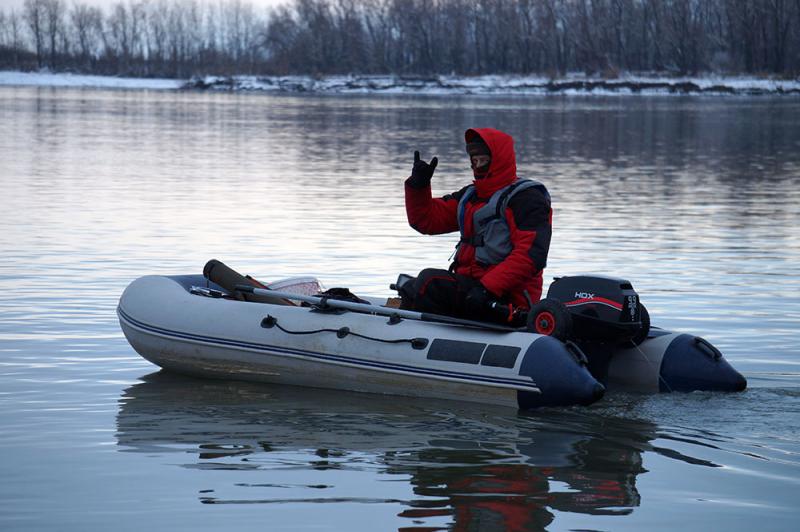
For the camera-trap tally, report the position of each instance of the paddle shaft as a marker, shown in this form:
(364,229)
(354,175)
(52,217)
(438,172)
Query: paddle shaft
(374,309)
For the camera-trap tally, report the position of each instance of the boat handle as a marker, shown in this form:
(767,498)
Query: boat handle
(577,353)
(708,349)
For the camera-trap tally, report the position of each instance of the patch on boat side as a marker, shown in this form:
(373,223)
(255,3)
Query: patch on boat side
(500,356)
(456,351)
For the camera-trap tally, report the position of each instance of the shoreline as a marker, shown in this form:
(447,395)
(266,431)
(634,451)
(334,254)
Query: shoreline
(573,84)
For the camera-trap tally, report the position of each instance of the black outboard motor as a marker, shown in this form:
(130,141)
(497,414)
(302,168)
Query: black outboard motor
(605,319)
(593,309)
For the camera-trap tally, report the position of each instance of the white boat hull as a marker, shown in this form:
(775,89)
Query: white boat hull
(216,337)
(197,335)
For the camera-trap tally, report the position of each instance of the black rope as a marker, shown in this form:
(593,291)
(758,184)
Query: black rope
(416,343)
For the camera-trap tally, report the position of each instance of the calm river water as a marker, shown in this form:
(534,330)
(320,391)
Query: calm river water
(696,200)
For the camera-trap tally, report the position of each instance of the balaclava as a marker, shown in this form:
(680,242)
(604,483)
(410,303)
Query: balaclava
(477,147)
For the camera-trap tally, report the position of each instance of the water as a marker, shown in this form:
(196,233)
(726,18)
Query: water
(696,200)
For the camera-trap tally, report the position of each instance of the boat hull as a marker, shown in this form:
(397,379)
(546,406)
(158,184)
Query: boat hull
(204,336)
(215,337)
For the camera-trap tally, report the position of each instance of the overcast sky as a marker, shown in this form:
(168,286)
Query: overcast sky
(17,4)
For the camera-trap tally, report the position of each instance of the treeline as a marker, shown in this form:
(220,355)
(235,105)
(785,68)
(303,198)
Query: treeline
(176,38)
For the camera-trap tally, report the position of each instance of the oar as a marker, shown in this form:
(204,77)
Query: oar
(374,309)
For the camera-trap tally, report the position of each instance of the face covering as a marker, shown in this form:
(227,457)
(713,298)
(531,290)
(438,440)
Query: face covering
(480,158)
(480,165)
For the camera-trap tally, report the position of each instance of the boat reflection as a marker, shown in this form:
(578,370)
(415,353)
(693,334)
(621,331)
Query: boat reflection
(472,466)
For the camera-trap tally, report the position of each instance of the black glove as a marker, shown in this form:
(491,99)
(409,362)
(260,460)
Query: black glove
(478,302)
(422,172)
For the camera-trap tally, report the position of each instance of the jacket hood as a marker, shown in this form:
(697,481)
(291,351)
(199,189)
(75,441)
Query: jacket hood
(503,169)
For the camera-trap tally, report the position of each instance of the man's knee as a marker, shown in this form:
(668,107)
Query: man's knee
(430,291)
(434,280)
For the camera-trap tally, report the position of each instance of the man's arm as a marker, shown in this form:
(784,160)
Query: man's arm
(429,215)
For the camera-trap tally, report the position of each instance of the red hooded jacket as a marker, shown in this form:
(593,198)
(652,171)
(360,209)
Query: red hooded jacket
(528,215)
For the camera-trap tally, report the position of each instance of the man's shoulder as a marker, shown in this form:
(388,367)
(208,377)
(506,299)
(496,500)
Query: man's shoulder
(530,196)
(457,195)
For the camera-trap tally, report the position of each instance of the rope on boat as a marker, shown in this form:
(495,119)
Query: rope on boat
(416,343)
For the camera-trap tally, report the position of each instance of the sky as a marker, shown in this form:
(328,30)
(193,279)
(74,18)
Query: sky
(5,5)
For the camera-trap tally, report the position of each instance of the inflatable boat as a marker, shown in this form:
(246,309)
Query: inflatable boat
(190,324)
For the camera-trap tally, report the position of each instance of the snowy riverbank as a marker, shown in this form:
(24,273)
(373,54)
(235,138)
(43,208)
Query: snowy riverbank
(46,79)
(574,84)
(433,85)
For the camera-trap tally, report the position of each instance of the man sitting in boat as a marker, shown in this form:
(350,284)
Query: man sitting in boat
(505,226)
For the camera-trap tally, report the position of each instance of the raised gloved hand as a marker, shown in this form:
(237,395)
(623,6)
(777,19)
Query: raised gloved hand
(422,172)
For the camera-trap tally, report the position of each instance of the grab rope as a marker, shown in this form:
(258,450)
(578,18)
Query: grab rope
(416,343)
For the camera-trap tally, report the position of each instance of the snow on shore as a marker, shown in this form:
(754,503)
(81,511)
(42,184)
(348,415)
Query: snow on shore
(45,79)
(432,85)
(447,85)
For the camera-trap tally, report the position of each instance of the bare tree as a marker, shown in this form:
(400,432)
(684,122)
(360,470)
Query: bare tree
(53,18)
(682,33)
(87,26)
(280,38)
(778,26)
(10,39)
(157,32)
(34,13)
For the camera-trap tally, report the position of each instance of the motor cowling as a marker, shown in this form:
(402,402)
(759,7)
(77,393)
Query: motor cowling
(603,309)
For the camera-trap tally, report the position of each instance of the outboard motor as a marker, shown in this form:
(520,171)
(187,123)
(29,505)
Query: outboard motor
(604,317)
(593,309)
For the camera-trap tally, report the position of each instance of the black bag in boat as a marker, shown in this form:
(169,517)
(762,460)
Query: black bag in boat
(342,294)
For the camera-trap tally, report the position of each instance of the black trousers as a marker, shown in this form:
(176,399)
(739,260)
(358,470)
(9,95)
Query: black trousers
(439,292)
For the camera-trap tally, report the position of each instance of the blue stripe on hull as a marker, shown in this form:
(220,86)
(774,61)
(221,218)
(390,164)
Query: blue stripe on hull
(527,385)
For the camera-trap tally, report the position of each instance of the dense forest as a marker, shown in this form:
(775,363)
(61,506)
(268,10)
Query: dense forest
(182,38)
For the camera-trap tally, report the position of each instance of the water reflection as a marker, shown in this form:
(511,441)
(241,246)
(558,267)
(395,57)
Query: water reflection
(473,466)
